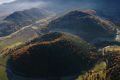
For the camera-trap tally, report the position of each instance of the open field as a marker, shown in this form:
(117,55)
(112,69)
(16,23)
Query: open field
(3,75)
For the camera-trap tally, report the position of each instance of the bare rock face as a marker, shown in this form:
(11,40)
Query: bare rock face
(52,55)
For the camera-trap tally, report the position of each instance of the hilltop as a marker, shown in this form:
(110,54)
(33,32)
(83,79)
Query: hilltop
(27,16)
(53,55)
(87,26)
(20,19)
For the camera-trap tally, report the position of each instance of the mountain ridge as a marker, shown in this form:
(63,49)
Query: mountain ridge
(84,25)
(19,19)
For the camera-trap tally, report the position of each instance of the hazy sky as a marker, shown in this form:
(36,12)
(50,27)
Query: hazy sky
(9,6)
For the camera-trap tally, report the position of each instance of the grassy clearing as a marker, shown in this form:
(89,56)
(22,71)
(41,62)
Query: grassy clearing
(2,61)
(3,75)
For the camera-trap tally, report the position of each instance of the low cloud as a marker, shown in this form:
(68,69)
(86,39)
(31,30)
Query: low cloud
(6,1)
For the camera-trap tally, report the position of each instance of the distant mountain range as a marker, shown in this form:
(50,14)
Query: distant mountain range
(20,19)
(29,15)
